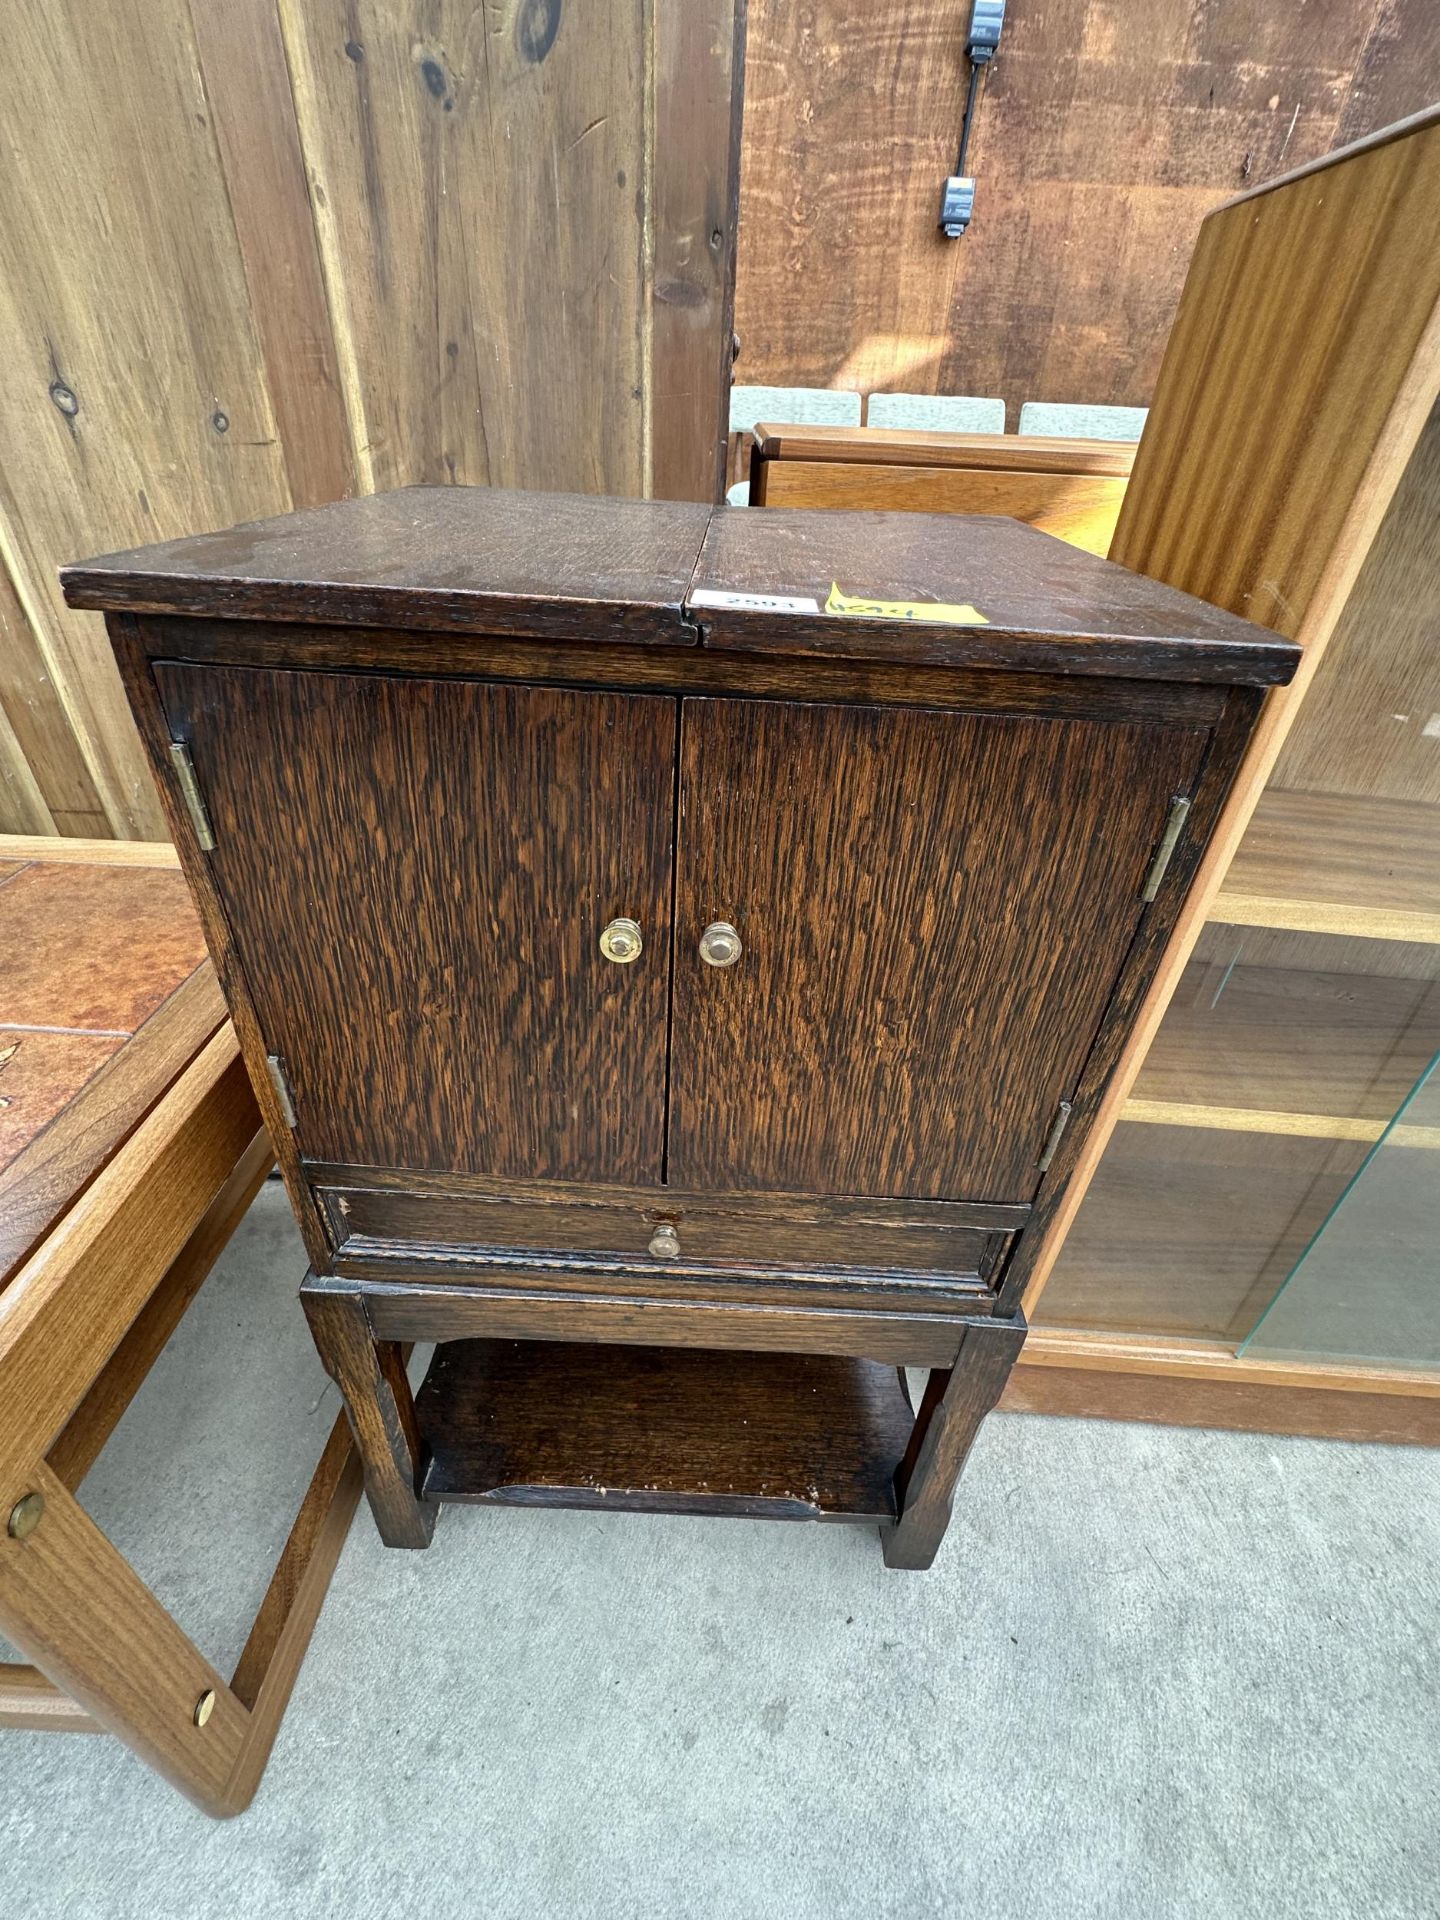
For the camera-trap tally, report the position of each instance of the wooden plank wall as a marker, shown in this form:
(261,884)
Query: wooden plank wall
(1106,130)
(268,253)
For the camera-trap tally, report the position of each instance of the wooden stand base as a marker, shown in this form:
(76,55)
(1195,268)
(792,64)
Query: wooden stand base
(772,1436)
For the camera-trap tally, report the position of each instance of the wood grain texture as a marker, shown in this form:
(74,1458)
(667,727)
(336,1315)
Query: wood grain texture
(40,1075)
(906,1016)
(67,1308)
(95,1419)
(956,1400)
(1328,863)
(370,1374)
(660,1430)
(247,85)
(716,1242)
(112,1647)
(1241,1405)
(463,1015)
(444,558)
(271,1656)
(1099,143)
(1362,730)
(1297,1024)
(59,1159)
(677,670)
(23,848)
(29,1700)
(699,67)
(45,785)
(471,165)
(1198,1359)
(135,403)
(1078,508)
(1355,247)
(1043,606)
(903,447)
(1274,517)
(1192,1230)
(93,948)
(418,1309)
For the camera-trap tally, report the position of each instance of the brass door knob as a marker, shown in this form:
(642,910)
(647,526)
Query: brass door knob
(665,1243)
(621,942)
(720,944)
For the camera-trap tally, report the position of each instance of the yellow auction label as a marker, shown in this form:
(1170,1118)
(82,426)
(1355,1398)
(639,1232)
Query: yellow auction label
(931,610)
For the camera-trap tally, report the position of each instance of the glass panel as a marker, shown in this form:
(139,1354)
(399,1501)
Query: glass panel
(1282,1057)
(1368,1286)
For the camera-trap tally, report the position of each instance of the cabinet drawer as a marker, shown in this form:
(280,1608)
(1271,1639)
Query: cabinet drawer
(702,1237)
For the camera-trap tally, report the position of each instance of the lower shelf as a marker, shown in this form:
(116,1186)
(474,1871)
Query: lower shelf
(663,1430)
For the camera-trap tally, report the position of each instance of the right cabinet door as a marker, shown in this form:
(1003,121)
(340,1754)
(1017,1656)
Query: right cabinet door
(932,908)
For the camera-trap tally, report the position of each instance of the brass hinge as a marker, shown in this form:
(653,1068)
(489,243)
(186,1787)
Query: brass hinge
(1174,827)
(190,793)
(282,1089)
(1055,1136)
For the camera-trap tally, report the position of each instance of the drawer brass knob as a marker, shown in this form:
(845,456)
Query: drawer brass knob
(665,1243)
(720,944)
(621,942)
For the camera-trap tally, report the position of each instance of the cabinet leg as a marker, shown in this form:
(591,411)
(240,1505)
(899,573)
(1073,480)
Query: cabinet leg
(370,1374)
(955,1403)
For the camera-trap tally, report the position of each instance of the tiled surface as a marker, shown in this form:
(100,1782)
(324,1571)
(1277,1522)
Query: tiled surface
(39,1074)
(93,948)
(87,954)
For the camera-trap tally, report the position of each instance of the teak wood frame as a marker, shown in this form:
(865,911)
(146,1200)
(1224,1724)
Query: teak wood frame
(81,1323)
(1326,280)
(363,1317)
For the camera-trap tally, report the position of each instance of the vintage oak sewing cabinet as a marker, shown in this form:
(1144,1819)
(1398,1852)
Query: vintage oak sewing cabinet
(678,952)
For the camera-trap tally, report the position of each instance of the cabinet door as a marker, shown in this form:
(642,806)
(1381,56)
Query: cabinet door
(417,874)
(933,909)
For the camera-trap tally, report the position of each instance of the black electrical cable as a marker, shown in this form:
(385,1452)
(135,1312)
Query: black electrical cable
(970,93)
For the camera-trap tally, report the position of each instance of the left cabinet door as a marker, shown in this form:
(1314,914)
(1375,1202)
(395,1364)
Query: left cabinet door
(417,874)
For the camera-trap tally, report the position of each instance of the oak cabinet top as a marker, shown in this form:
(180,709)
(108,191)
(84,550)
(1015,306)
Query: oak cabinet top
(943,589)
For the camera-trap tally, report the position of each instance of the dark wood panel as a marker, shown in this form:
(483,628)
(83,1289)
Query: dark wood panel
(827,1211)
(662,1430)
(441,1310)
(418,874)
(682,670)
(1028,600)
(709,1238)
(934,909)
(441,558)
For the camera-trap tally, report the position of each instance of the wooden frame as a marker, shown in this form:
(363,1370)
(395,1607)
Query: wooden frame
(1069,488)
(81,1322)
(1328,280)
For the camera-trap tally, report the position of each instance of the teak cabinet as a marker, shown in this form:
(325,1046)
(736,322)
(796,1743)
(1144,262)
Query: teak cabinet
(634,956)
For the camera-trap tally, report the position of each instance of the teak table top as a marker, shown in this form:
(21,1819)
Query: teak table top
(108,996)
(955,589)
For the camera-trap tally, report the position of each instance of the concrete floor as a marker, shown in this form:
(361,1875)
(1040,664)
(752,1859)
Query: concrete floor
(1155,1674)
